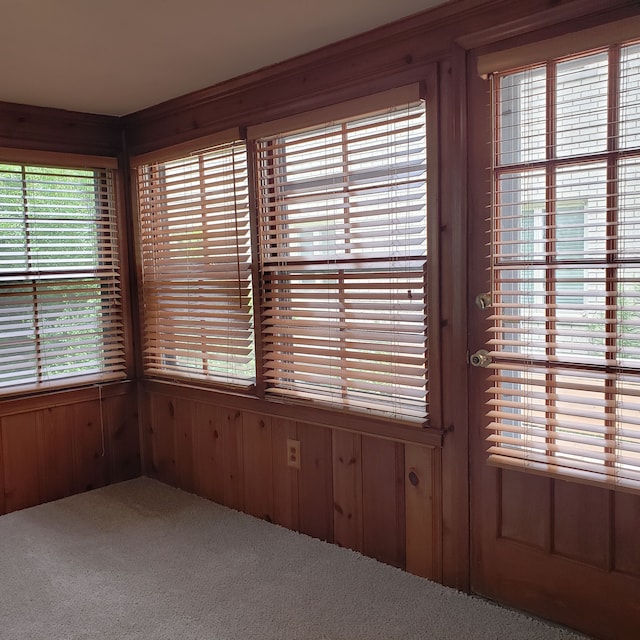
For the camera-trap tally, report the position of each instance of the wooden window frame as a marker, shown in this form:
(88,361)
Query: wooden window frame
(116,357)
(173,275)
(515,455)
(322,117)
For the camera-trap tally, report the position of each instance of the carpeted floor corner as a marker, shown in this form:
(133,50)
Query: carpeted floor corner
(140,560)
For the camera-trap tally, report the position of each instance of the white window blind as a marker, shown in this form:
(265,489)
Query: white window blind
(565,339)
(342,234)
(60,305)
(196,266)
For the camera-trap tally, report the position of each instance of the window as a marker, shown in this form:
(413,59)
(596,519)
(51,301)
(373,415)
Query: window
(565,339)
(343,250)
(196,266)
(336,213)
(60,308)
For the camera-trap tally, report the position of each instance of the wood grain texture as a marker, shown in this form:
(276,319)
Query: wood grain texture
(421,485)
(163,410)
(350,488)
(313,415)
(208,451)
(122,437)
(347,490)
(70,446)
(88,446)
(454,319)
(233,458)
(383,506)
(627,534)
(55,452)
(47,129)
(20,461)
(582,523)
(315,482)
(257,453)
(525,509)
(145,429)
(183,444)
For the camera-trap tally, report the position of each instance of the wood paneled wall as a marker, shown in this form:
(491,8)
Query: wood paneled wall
(59,444)
(44,129)
(397,494)
(368,493)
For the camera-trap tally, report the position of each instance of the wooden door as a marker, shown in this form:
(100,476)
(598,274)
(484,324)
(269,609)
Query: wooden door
(561,550)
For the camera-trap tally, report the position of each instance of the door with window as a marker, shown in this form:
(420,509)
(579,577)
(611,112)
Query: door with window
(555,414)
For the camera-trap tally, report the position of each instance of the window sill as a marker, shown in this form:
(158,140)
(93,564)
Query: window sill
(302,412)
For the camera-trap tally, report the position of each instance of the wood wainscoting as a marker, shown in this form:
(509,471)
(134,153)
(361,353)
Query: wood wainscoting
(369,493)
(58,444)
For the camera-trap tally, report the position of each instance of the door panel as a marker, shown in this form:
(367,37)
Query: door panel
(561,550)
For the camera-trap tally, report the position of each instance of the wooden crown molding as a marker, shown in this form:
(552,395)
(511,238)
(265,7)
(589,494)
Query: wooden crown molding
(571,11)
(46,129)
(391,55)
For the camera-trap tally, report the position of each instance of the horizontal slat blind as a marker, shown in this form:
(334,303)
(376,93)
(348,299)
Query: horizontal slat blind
(196,266)
(565,394)
(343,262)
(60,305)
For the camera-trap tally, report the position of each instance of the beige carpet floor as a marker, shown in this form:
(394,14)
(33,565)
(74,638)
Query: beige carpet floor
(141,560)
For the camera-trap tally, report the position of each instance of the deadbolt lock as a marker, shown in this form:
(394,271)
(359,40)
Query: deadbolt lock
(480,358)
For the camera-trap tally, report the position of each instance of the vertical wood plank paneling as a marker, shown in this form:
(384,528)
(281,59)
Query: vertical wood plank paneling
(3,507)
(627,533)
(383,503)
(208,451)
(162,439)
(285,478)
(257,466)
(183,444)
(347,489)
(316,485)
(421,518)
(55,452)
(19,447)
(233,460)
(581,523)
(89,463)
(525,508)
(122,438)
(145,427)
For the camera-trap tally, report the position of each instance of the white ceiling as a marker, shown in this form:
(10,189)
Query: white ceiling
(118,56)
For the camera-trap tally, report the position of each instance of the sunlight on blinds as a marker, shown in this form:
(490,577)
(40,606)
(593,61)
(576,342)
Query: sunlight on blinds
(196,266)
(60,302)
(566,268)
(342,220)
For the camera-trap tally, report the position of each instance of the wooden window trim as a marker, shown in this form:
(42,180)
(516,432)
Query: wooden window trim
(177,151)
(604,35)
(56,159)
(45,279)
(174,263)
(335,115)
